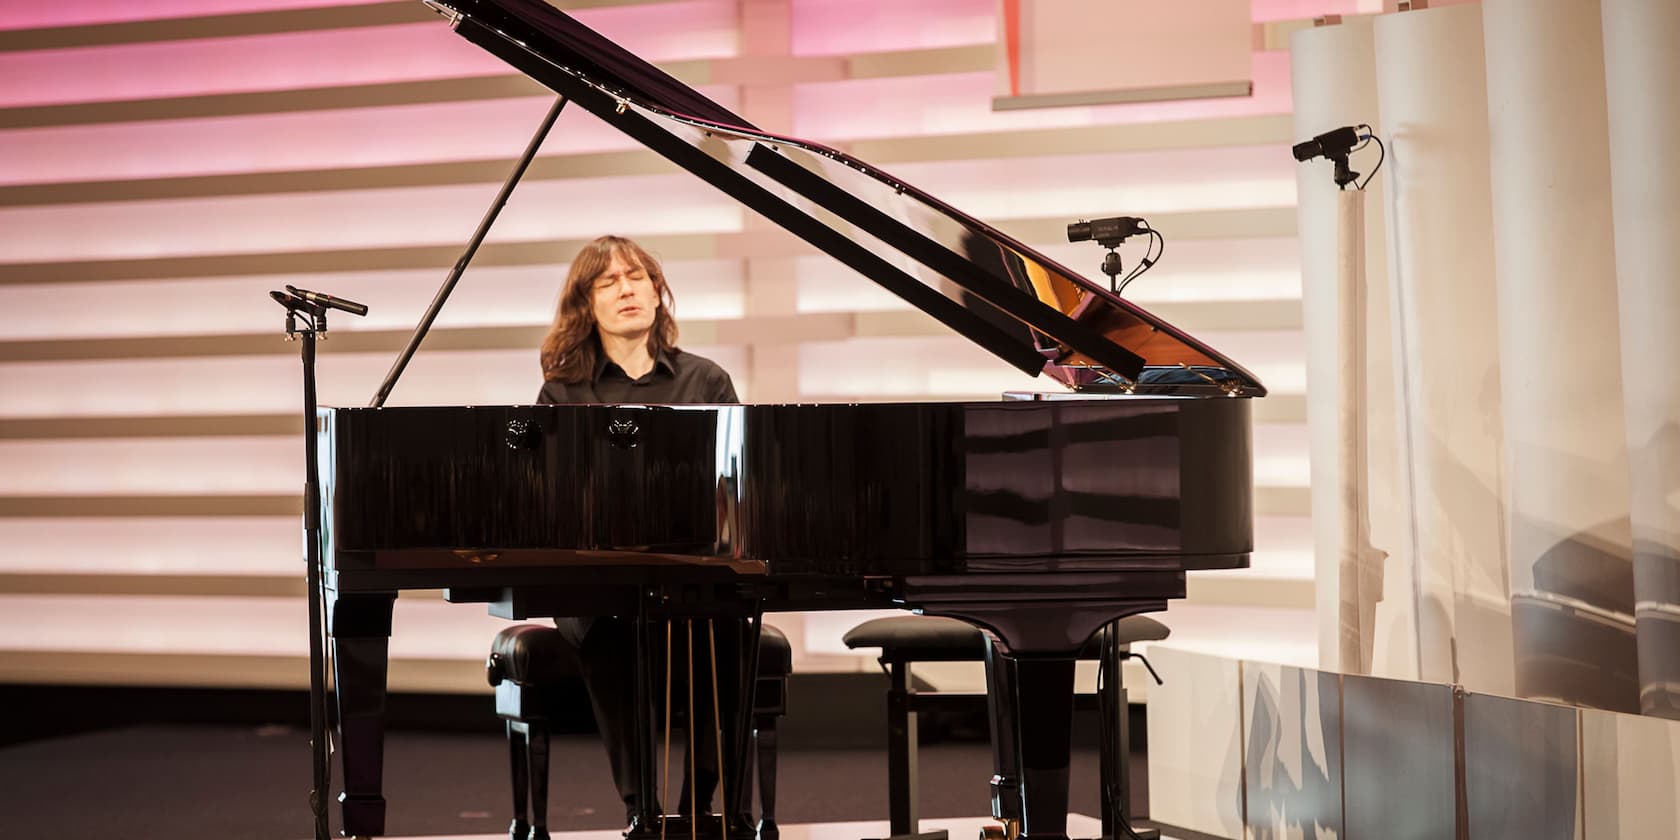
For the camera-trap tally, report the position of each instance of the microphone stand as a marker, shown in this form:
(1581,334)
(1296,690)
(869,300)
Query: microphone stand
(305,320)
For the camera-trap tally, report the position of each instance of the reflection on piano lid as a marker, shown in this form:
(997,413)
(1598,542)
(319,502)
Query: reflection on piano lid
(1024,308)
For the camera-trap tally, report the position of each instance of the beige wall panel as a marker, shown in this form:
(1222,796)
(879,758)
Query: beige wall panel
(1630,770)
(1195,742)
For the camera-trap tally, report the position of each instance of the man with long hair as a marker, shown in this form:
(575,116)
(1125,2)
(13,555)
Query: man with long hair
(614,336)
(613,340)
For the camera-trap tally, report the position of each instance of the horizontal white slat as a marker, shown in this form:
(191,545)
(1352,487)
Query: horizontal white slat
(363,55)
(1136,184)
(422,628)
(1280,455)
(234,545)
(542,210)
(1283,548)
(486,296)
(957,103)
(273,384)
(328,139)
(1268,634)
(184,466)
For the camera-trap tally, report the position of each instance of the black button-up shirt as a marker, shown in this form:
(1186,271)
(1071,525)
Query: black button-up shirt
(676,377)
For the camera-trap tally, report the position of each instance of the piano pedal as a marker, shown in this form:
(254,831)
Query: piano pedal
(1008,830)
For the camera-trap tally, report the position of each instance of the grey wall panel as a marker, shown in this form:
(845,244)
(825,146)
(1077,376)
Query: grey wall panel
(1399,760)
(1292,748)
(1521,769)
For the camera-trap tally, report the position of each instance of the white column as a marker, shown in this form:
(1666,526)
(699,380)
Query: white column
(1642,78)
(1334,84)
(1431,77)
(1571,575)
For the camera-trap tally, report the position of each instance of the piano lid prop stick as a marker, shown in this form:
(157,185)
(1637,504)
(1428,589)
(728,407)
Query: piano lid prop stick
(449,282)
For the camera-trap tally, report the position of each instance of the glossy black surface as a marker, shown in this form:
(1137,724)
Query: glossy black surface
(1031,312)
(893,490)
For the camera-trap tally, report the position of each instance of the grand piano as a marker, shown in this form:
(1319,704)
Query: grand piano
(1037,517)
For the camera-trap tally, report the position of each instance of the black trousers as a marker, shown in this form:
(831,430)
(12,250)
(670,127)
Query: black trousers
(607,659)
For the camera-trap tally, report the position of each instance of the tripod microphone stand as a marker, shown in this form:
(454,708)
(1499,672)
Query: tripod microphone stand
(306,318)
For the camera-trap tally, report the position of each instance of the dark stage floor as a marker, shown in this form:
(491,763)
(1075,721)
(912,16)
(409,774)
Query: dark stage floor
(193,781)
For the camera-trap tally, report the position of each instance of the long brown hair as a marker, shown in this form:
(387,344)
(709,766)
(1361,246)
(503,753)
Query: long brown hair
(572,346)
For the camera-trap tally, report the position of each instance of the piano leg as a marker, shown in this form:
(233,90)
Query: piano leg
(1031,705)
(361,639)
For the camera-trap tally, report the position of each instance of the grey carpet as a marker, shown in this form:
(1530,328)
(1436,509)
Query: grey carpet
(240,782)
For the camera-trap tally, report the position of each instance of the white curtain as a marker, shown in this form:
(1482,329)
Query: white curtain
(1360,536)
(1566,457)
(1642,78)
(1431,81)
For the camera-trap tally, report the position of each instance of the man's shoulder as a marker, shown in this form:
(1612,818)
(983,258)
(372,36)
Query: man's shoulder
(696,365)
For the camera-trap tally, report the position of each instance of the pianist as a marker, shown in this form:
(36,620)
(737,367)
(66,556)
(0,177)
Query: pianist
(614,341)
(614,336)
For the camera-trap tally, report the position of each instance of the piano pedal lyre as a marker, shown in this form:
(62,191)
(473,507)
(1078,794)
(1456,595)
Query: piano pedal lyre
(1008,830)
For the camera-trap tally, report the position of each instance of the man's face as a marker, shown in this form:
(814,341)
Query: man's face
(624,299)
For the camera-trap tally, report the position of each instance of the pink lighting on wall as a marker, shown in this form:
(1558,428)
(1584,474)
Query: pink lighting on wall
(84,12)
(837,27)
(336,138)
(270,384)
(542,211)
(366,55)
(489,295)
(1174,180)
(958,103)
(269,545)
(264,626)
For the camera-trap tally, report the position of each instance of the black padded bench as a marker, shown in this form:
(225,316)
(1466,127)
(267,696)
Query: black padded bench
(530,664)
(906,639)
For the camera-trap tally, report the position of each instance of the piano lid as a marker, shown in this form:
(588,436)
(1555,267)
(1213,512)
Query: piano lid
(1026,309)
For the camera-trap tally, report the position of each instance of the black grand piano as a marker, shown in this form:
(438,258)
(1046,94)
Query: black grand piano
(1039,518)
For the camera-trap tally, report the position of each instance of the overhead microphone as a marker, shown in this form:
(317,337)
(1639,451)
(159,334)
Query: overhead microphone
(1107,232)
(324,299)
(1331,144)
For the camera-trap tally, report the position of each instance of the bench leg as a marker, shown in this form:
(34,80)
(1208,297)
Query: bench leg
(521,779)
(536,745)
(765,735)
(902,783)
(903,789)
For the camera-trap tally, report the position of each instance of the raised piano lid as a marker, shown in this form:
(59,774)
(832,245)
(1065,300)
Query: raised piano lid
(1029,311)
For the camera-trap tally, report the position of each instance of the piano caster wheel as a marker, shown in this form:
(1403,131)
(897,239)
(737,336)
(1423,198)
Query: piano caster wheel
(1009,830)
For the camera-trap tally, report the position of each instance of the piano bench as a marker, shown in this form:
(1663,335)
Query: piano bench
(906,639)
(530,663)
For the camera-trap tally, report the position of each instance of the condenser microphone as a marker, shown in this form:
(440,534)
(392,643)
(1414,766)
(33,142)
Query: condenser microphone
(323,299)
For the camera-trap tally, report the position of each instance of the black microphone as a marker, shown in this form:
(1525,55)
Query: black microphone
(1331,144)
(1105,231)
(322,299)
